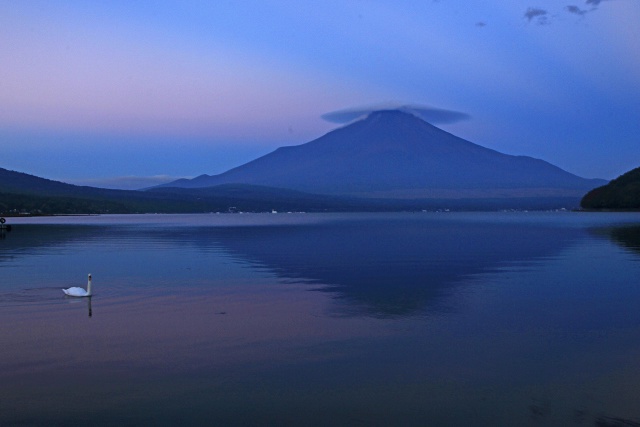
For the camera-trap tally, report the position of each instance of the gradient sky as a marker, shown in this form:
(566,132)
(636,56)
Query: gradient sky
(121,93)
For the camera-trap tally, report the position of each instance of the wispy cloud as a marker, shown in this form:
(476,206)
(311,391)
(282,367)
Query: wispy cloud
(582,12)
(595,3)
(540,16)
(576,10)
(429,114)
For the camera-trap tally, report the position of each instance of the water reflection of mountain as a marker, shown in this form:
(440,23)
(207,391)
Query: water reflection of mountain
(627,237)
(379,266)
(392,268)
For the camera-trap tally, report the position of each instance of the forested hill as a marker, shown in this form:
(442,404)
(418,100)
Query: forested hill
(622,193)
(22,194)
(19,182)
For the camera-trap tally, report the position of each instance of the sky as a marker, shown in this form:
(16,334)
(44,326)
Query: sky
(124,94)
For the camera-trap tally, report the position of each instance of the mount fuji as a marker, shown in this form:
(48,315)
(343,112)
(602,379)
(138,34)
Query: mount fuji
(393,154)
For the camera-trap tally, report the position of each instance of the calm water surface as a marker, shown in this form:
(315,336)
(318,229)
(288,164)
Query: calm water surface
(479,319)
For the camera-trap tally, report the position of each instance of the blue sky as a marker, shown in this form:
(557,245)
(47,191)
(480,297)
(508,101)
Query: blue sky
(123,93)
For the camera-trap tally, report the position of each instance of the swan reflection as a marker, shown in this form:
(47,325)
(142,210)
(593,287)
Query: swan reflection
(79,301)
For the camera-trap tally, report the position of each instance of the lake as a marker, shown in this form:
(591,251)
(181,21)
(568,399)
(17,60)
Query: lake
(403,319)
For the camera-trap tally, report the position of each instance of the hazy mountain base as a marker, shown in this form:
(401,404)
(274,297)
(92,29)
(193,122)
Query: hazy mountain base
(473,193)
(236,200)
(252,198)
(27,194)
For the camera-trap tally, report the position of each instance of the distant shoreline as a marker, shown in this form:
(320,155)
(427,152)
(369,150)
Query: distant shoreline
(579,210)
(12,215)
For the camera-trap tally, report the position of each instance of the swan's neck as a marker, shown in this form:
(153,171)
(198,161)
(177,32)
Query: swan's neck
(89,286)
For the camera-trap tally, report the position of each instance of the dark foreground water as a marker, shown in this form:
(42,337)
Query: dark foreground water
(495,319)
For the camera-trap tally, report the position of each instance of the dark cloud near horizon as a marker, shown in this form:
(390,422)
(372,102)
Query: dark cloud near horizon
(429,114)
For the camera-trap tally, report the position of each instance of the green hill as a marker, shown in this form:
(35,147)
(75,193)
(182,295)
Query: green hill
(623,193)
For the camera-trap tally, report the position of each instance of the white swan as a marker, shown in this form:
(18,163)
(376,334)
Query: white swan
(79,292)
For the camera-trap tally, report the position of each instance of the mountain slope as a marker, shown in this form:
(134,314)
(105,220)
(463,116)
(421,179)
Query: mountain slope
(621,193)
(24,193)
(21,193)
(393,154)
(18,182)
